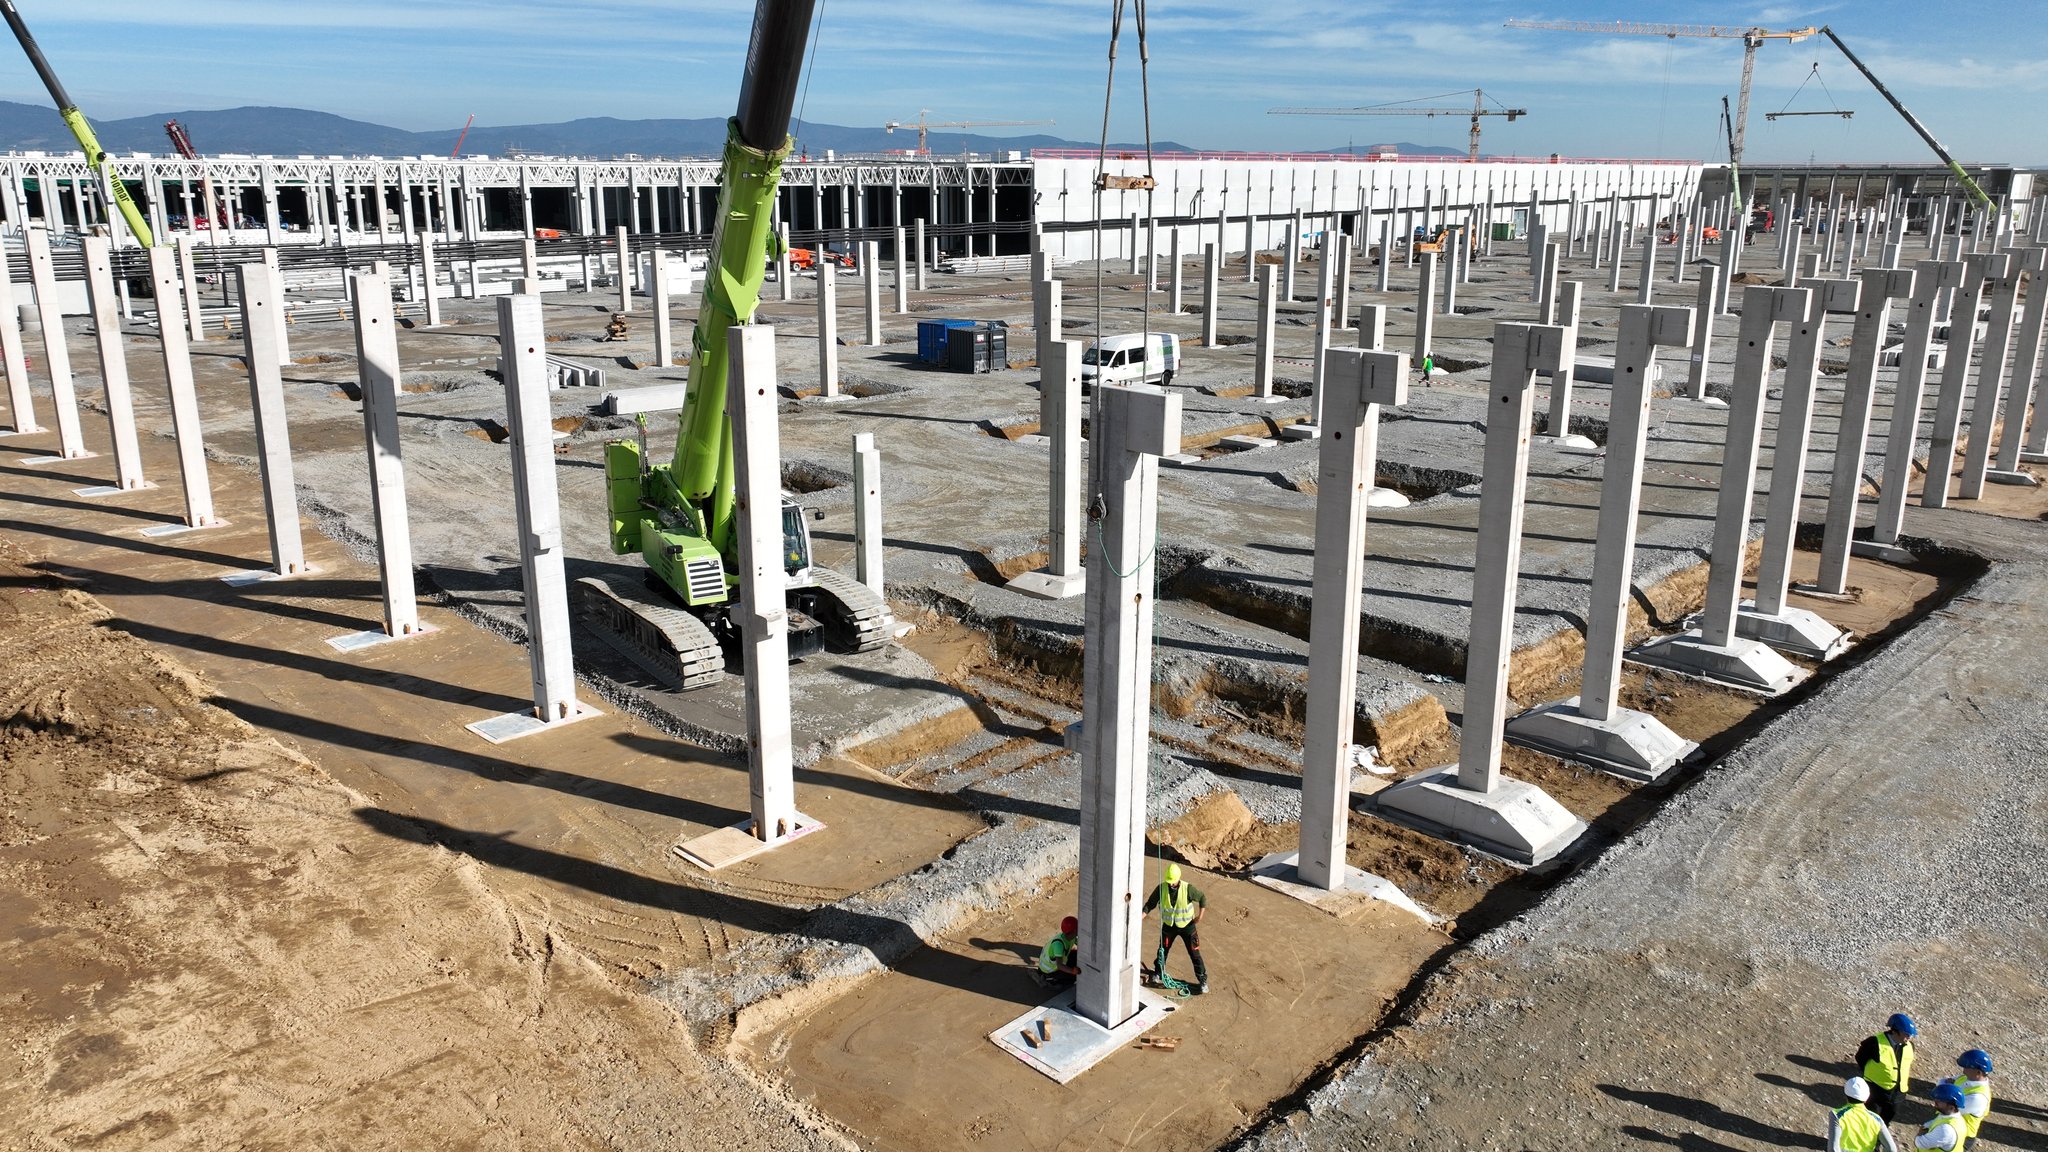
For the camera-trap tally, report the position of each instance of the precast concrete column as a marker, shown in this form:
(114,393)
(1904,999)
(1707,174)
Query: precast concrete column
(1325,289)
(1546,285)
(1251,247)
(106,326)
(1789,445)
(184,397)
(1292,258)
(1137,257)
(279,323)
(1991,374)
(867,512)
(1047,312)
(921,266)
(1932,279)
(529,260)
(430,280)
(1386,277)
(377,362)
(871,276)
(1454,257)
(828,332)
(2026,376)
(1647,288)
(1212,270)
(20,398)
(1563,371)
(1358,383)
(1059,421)
(1174,278)
(1262,352)
(1372,327)
(1344,258)
(1137,426)
(1705,314)
(56,353)
(522,343)
(1425,314)
(1983,274)
(1151,253)
(785,275)
(1614,258)
(623,240)
(664,327)
(188,278)
(902,284)
(1731,253)
(1518,351)
(262,294)
(1881,286)
(764,616)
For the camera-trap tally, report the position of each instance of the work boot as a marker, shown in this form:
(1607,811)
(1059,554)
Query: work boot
(1202,989)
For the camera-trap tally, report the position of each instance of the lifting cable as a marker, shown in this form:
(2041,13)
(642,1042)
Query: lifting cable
(1812,76)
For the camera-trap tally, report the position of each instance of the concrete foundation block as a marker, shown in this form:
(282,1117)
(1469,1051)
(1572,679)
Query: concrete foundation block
(1793,630)
(1517,820)
(1385,498)
(1300,432)
(1281,872)
(1047,586)
(1570,442)
(1600,370)
(1750,665)
(1180,460)
(2017,479)
(1060,1043)
(1633,745)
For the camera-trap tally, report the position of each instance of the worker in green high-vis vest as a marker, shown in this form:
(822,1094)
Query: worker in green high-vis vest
(1180,906)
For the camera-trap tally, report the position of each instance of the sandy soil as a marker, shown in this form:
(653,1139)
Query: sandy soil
(209,947)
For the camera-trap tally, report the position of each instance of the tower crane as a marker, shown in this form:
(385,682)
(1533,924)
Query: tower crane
(1477,110)
(925,126)
(1752,39)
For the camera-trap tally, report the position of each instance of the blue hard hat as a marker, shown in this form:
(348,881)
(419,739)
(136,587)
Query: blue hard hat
(1976,1060)
(1947,1094)
(1902,1024)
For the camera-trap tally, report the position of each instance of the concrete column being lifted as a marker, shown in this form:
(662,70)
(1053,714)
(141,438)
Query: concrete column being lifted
(1262,353)
(163,272)
(20,399)
(1473,802)
(1359,383)
(2027,264)
(106,325)
(1151,253)
(261,290)
(56,353)
(1713,650)
(1881,286)
(377,367)
(1059,421)
(1705,314)
(1212,270)
(1137,257)
(1425,315)
(828,333)
(1593,727)
(1557,425)
(1932,280)
(1136,427)
(1984,274)
(871,282)
(902,284)
(1771,619)
(522,356)
(867,512)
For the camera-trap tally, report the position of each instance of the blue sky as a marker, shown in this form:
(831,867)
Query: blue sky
(1976,74)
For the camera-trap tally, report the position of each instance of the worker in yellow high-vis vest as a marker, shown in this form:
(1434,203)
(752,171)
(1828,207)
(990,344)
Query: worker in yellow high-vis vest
(1854,1128)
(1885,1061)
(1180,906)
(1944,1133)
(1975,1085)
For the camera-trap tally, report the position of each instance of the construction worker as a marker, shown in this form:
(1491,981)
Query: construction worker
(1854,1128)
(1059,962)
(1947,1130)
(1886,1060)
(1180,909)
(1975,1085)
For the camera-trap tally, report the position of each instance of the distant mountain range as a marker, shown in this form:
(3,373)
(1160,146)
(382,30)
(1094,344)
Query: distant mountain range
(298,131)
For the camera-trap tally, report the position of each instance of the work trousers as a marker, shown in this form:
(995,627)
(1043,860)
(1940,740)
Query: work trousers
(1167,935)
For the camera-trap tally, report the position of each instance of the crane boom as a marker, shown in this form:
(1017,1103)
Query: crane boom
(925,126)
(1477,110)
(95,156)
(1976,192)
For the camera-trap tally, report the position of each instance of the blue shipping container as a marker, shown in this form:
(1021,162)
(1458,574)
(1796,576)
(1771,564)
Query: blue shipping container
(931,338)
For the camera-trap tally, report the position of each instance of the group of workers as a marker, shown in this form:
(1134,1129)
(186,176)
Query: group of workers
(1180,906)
(1885,1060)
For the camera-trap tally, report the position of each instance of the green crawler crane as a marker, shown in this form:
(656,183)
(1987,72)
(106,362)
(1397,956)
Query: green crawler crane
(676,619)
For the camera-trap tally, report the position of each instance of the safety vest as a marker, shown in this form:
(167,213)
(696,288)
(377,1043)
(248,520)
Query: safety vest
(1892,1067)
(1971,1088)
(1860,1127)
(1962,1130)
(1056,950)
(1175,909)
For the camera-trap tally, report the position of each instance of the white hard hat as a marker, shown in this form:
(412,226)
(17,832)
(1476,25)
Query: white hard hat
(1856,1088)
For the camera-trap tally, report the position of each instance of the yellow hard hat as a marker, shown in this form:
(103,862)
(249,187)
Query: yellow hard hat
(1173,873)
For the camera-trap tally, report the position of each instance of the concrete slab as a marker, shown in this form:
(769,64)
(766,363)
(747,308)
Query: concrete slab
(724,847)
(1516,820)
(1070,1043)
(1742,663)
(1629,744)
(1280,872)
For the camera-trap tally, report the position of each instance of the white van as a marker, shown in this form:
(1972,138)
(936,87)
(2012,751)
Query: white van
(1132,358)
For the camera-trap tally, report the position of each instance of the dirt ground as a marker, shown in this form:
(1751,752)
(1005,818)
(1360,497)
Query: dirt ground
(211,944)
(905,1059)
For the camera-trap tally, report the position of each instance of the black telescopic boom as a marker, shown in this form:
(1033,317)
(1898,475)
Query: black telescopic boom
(775,58)
(35,56)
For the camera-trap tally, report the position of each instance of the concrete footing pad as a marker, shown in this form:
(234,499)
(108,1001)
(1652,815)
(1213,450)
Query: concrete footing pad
(728,846)
(1750,665)
(513,725)
(1046,586)
(1300,432)
(1517,820)
(1070,1043)
(156,530)
(2034,457)
(1385,498)
(98,491)
(1794,630)
(39,461)
(1889,553)
(371,637)
(1633,745)
(263,576)
(1570,442)
(1280,871)
(2017,479)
